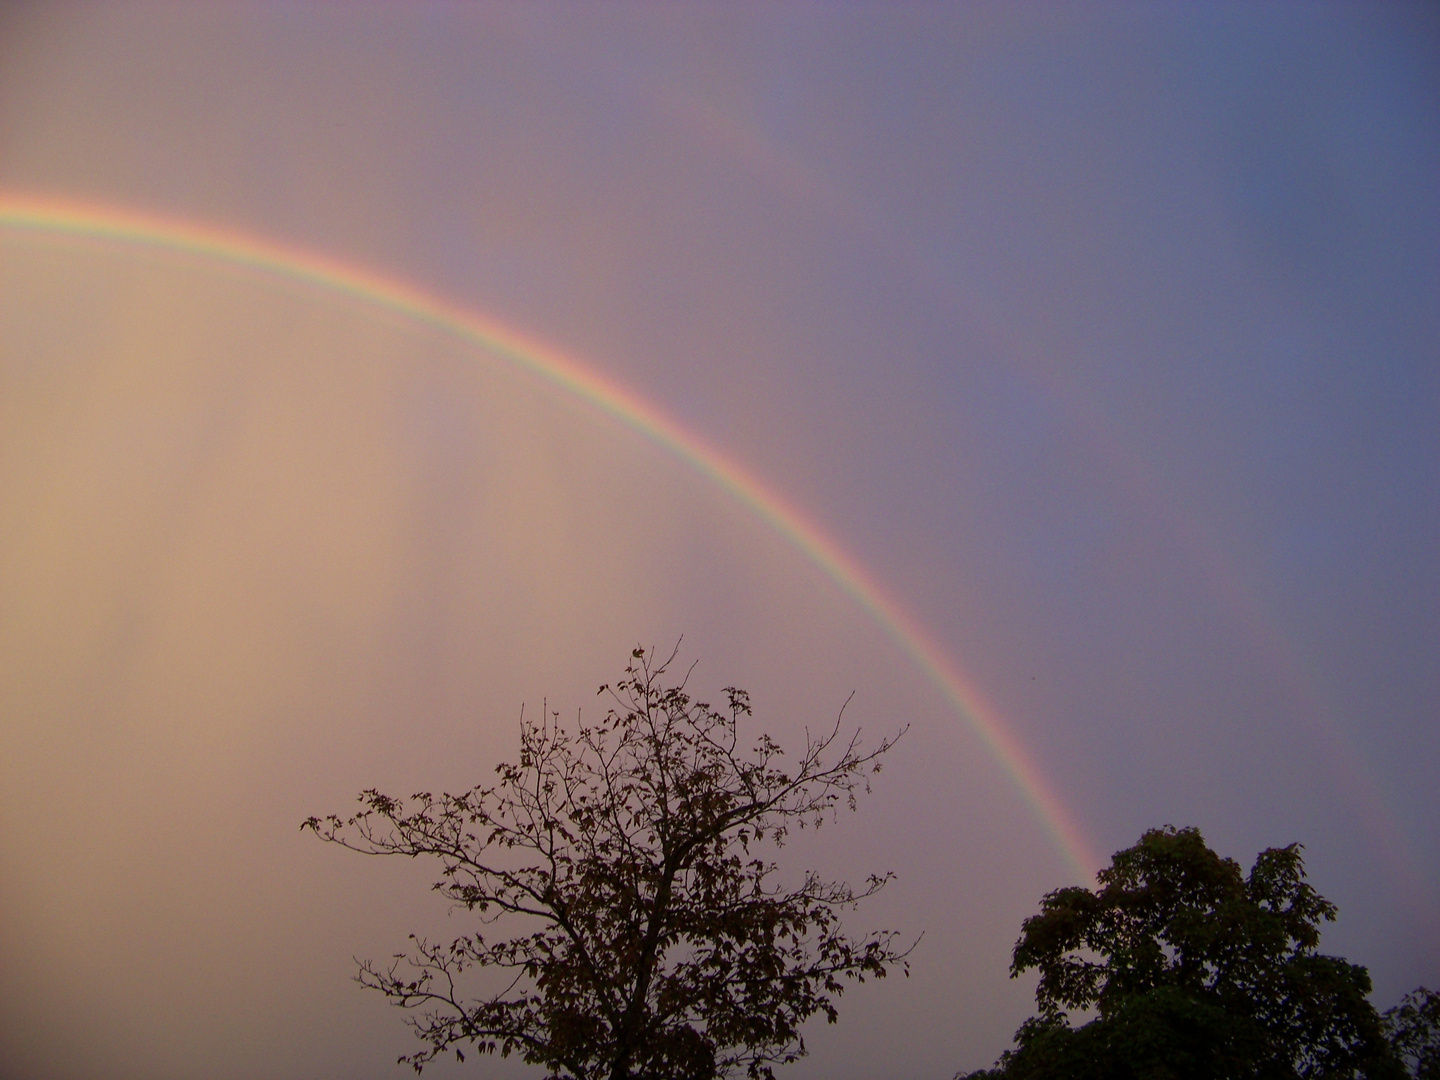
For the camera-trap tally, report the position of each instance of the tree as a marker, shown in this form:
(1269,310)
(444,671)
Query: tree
(1413,1028)
(1192,970)
(650,938)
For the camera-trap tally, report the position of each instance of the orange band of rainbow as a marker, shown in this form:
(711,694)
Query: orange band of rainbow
(40,214)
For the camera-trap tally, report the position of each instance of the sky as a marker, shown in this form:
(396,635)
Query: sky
(1062,380)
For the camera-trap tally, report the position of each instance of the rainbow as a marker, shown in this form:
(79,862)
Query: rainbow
(53,216)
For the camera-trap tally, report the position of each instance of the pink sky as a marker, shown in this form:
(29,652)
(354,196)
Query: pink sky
(1102,340)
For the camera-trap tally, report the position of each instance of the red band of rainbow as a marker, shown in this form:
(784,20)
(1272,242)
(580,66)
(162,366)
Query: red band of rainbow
(49,215)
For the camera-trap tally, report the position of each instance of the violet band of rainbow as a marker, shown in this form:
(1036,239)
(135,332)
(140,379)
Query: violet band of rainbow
(51,215)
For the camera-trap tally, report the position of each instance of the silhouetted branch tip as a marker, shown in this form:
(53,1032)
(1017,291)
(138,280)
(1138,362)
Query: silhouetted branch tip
(650,947)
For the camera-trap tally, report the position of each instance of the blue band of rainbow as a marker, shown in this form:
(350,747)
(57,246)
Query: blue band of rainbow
(93,221)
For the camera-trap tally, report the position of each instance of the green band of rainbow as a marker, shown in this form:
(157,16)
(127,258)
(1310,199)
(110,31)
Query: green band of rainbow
(43,214)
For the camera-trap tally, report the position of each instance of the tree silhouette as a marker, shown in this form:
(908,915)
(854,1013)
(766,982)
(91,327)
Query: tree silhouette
(1413,1028)
(1194,970)
(647,935)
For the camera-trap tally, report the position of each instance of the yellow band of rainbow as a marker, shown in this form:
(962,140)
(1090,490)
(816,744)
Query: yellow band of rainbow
(50,215)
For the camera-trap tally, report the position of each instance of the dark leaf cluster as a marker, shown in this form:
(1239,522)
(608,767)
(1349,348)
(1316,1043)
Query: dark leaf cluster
(1193,969)
(1413,1028)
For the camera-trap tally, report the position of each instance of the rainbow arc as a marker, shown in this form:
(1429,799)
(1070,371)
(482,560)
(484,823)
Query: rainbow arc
(52,216)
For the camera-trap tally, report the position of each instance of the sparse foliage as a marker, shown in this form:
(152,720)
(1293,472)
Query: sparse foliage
(647,934)
(1413,1028)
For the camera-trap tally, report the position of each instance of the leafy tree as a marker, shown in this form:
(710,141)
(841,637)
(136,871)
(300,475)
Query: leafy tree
(649,938)
(1192,970)
(1413,1028)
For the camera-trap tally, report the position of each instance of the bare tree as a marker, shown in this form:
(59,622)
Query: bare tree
(649,937)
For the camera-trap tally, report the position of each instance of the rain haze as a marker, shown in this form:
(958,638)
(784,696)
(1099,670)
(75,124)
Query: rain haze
(1061,380)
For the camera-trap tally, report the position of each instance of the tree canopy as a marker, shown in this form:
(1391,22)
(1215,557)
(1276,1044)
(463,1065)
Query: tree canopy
(1193,969)
(1413,1028)
(648,935)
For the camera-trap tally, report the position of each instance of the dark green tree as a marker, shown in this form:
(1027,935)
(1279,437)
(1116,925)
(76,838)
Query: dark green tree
(647,936)
(1413,1028)
(1192,969)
